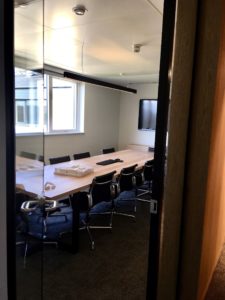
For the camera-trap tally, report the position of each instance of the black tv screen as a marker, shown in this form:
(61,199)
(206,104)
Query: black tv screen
(147,114)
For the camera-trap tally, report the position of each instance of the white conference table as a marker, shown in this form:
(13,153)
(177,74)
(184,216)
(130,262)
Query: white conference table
(31,175)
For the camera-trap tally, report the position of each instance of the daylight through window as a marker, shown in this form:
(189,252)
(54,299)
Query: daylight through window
(47,104)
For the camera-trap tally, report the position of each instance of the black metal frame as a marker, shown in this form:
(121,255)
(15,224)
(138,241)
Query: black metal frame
(7,69)
(91,80)
(160,144)
(55,71)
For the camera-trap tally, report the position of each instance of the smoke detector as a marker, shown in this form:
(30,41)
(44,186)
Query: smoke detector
(79,10)
(137,48)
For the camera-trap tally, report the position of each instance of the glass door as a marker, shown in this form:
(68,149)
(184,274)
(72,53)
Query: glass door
(100,118)
(29,144)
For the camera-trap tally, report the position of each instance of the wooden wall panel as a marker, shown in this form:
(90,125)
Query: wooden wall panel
(214,221)
(204,82)
(195,184)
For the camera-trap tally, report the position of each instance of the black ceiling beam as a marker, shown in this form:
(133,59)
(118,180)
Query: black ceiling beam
(91,80)
(55,71)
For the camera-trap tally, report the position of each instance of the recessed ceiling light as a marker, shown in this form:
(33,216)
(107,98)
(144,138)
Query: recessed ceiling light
(79,10)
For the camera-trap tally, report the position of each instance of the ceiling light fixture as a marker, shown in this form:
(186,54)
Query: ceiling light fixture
(79,10)
(137,48)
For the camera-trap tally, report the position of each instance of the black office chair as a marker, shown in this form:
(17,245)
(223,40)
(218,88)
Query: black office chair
(81,155)
(98,202)
(144,179)
(60,159)
(127,192)
(36,215)
(28,155)
(108,150)
(41,158)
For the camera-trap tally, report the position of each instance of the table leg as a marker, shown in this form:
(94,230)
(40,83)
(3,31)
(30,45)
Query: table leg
(70,243)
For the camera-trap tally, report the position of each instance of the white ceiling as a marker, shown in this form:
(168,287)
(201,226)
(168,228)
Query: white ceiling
(99,44)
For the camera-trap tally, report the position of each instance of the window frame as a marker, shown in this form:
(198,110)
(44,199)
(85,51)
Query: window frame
(78,109)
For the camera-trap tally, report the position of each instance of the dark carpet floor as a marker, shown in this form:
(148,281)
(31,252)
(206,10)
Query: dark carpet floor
(216,289)
(116,269)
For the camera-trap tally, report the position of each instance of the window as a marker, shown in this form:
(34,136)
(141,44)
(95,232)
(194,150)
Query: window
(49,104)
(63,104)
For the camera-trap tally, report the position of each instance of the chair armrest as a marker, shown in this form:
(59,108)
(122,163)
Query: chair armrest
(134,181)
(116,188)
(52,205)
(29,206)
(139,174)
(90,200)
(113,189)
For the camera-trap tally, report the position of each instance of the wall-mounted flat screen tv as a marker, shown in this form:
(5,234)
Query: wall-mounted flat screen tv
(147,114)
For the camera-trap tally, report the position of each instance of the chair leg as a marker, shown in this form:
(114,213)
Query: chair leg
(144,200)
(145,192)
(111,220)
(90,238)
(125,214)
(25,254)
(87,227)
(102,227)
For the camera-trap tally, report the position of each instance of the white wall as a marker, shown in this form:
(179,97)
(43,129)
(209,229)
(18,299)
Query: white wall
(129,108)
(101,128)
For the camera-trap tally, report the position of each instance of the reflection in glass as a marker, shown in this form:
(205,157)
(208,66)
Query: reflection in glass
(100,46)
(30,102)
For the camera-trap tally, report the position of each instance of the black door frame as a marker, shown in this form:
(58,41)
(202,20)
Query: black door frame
(169,14)
(7,68)
(8,143)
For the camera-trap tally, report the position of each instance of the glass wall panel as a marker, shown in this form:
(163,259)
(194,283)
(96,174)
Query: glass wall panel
(118,42)
(29,124)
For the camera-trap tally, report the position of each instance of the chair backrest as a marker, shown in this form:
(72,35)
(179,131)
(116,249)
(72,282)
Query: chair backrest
(60,159)
(102,189)
(28,155)
(126,179)
(150,162)
(148,170)
(81,155)
(41,158)
(108,150)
